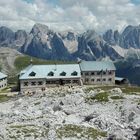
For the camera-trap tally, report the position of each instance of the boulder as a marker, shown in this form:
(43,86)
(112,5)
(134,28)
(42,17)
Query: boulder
(88,118)
(56,108)
(137,134)
(116,91)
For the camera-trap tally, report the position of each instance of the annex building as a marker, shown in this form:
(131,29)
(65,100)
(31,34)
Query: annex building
(98,72)
(3,81)
(38,77)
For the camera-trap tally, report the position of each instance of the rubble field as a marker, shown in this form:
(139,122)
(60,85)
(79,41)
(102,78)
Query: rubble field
(72,113)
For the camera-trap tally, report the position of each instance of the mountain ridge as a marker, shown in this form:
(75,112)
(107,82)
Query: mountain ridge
(45,43)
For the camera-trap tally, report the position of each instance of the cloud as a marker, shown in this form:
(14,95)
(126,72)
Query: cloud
(69,14)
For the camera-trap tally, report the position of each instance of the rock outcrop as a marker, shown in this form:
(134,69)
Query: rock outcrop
(72,113)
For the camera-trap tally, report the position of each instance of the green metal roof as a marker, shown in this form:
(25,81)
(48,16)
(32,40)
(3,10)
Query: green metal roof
(2,75)
(97,65)
(42,71)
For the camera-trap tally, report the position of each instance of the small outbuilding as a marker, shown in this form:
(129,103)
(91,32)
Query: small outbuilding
(121,81)
(3,81)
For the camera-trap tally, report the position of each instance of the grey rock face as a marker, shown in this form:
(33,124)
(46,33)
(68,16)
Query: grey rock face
(59,51)
(91,46)
(6,36)
(130,37)
(71,36)
(39,28)
(44,43)
(111,37)
(20,38)
(137,134)
(36,48)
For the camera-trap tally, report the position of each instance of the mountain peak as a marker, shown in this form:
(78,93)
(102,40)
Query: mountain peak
(40,28)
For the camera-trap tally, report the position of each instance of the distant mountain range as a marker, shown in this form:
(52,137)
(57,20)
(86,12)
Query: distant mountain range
(44,43)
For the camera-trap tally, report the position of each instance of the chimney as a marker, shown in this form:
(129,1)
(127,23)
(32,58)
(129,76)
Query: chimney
(31,61)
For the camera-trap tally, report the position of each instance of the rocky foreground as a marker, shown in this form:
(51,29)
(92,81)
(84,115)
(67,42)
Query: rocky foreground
(84,113)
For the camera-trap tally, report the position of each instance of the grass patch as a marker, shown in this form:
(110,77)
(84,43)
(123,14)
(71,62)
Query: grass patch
(22,62)
(26,131)
(130,90)
(4,98)
(125,89)
(5,90)
(117,97)
(105,88)
(72,131)
(100,97)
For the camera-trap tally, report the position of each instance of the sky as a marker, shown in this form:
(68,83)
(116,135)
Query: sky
(77,15)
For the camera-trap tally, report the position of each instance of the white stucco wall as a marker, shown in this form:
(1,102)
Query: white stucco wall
(36,87)
(3,83)
(31,87)
(106,76)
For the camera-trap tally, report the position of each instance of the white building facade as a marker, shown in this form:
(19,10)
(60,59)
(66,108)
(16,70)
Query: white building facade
(3,81)
(38,77)
(98,72)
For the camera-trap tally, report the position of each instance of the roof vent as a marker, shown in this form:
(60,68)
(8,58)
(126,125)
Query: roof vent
(51,73)
(75,73)
(63,73)
(32,74)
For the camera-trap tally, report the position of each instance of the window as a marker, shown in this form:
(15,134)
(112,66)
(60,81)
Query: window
(40,83)
(98,73)
(25,83)
(63,73)
(104,72)
(75,81)
(86,80)
(110,72)
(47,82)
(51,73)
(51,82)
(57,82)
(32,74)
(33,83)
(109,79)
(75,73)
(68,81)
(86,73)
(104,79)
(92,73)
(92,80)
(98,80)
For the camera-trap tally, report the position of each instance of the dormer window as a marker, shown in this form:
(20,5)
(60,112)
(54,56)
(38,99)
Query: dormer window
(32,74)
(75,73)
(51,73)
(63,73)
